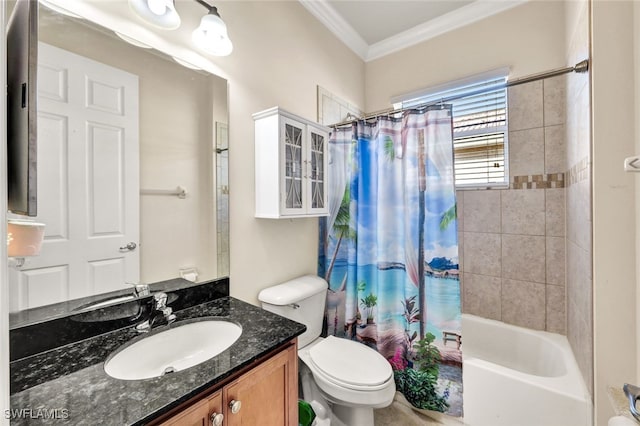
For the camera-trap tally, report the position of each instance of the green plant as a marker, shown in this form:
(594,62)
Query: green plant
(411,315)
(368,303)
(419,387)
(427,355)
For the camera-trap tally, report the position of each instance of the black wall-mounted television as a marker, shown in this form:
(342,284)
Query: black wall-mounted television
(22,65)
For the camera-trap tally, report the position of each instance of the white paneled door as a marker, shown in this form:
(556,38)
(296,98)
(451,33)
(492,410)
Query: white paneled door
(88,181)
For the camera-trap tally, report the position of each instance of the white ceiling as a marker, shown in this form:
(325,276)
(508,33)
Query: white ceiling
(375,28)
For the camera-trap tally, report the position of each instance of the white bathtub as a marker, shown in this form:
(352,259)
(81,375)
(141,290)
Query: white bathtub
(513,376)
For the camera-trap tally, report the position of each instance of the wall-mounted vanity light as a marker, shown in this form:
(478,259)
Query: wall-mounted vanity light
(160,13)
(210,36)
(24,239)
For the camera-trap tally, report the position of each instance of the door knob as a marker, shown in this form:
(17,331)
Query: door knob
(235,406)
(129,247)
(216,419)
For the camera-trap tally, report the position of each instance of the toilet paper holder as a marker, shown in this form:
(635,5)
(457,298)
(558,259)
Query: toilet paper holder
(189,274)
(633,394)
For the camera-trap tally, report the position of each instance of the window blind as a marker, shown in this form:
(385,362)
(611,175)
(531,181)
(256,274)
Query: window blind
(479,130)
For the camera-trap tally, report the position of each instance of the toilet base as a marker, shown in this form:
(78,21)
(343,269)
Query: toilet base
(351,416)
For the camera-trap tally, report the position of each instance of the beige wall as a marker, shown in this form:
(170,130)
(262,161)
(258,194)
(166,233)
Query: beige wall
(281,53)
(528,39)
(636,28)
(614,215)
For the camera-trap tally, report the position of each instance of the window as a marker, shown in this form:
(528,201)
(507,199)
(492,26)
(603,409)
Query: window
(479,127)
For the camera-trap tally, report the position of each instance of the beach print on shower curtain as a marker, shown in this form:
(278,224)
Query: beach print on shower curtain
(390,254)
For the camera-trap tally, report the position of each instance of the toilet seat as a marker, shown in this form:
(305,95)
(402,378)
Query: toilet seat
(350,364)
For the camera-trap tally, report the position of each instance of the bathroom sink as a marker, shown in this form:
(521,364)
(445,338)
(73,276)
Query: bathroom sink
(171,350)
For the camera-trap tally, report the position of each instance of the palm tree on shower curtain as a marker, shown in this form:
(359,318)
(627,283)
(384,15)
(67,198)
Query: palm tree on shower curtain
(342,227)
(448,217)
(422,188)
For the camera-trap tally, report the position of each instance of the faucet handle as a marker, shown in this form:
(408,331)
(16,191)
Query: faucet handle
(169,316)
(140,289)
(160,300)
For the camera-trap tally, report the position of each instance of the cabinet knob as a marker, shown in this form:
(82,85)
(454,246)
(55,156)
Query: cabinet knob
(235,406)
(216,419)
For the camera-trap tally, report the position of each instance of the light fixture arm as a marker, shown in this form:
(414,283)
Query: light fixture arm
(208,6)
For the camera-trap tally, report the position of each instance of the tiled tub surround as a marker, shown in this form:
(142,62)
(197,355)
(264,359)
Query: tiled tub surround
(513,240)
(72,377)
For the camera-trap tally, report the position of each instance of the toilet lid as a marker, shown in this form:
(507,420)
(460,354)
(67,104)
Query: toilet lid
(350,363)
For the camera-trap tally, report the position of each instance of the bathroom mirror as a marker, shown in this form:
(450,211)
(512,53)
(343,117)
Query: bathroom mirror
(132,164)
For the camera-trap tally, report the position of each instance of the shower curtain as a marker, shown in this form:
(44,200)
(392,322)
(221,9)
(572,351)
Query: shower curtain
(389,250)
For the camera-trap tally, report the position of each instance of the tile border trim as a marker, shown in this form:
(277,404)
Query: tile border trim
(542,181)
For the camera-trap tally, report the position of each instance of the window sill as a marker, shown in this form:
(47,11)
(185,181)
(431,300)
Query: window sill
(475,187)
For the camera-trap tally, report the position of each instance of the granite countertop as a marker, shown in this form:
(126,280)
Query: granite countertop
(71,379)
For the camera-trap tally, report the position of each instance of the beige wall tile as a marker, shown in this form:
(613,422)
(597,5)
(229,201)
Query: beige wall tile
(572,272)
(523,304)
(579,214)
(523,257)
(482,253)
(460,250)
(482,211)
(580,336)
(555,219)
(523,212)
(525,106)
(526,152)
(555,149)
(555,309)
(583,123)
(461,289)
(460,209)
(579,277)
(554,100)
(555,258)
(482,296)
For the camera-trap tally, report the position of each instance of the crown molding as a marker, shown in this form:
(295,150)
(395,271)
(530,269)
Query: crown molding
(473,12)
(331,19)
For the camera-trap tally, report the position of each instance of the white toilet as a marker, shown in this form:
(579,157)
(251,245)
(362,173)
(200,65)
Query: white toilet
(353,378)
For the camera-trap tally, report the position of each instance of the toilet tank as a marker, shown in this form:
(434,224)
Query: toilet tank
(302,299)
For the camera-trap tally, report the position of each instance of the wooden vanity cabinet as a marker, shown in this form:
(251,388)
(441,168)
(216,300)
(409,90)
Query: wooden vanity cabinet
(266,394)
(201,413)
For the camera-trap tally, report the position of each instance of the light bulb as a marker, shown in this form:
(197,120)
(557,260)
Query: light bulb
(211,36)
(160,13)
(159,7)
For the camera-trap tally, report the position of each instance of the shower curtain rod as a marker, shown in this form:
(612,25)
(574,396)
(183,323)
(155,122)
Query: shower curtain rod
(580,67)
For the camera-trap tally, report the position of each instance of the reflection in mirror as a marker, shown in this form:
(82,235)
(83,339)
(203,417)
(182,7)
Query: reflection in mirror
(124,134)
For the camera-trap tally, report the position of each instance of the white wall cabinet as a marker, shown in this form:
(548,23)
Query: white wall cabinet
(291,165)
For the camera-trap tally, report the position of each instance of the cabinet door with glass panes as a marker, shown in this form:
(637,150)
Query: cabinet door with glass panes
(291,165)
(293,191)
(304,159)
(317,170)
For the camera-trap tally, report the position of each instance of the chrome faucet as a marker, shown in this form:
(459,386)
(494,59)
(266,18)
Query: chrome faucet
(158,306)
(633,394)
(140,290)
